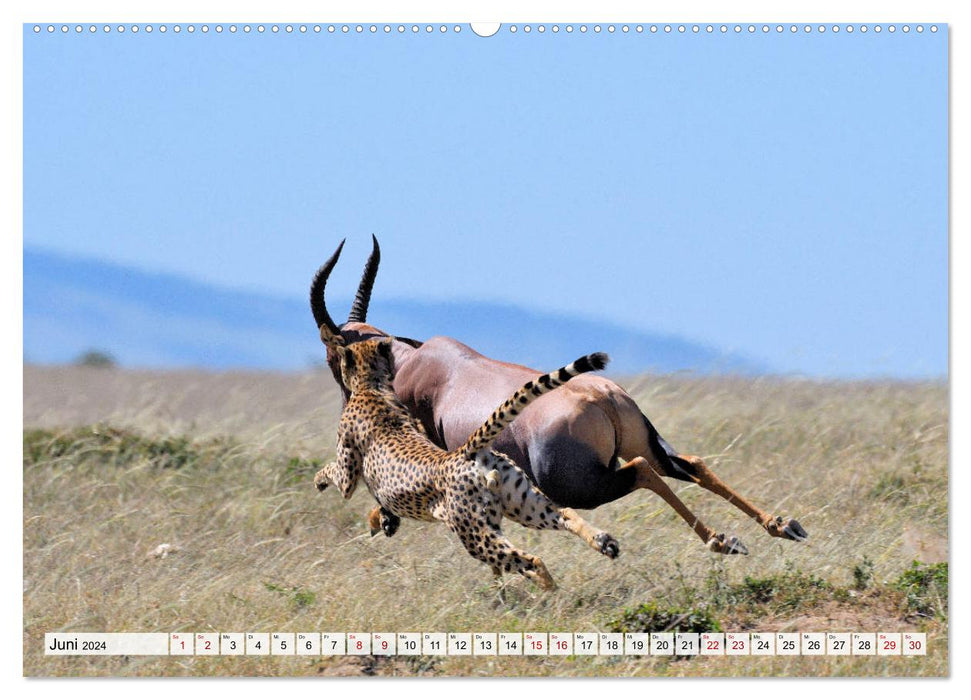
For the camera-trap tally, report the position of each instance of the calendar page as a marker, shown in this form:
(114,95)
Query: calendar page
(439,348)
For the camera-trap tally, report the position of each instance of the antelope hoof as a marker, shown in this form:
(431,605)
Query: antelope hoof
(607,545)
(790,530)
(727,545)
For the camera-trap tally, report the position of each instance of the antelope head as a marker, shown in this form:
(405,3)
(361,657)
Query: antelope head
(356,327)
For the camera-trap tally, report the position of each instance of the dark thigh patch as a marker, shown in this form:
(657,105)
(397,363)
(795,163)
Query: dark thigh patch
(573,475)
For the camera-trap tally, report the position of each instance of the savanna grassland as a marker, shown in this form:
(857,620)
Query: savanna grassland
(220,467)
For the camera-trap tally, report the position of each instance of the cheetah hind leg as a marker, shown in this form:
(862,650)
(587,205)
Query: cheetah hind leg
(499,586)
(602,541)
(381,520)
(530,507)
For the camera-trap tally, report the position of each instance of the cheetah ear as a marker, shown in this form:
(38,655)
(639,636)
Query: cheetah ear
(347,357)
(384,349)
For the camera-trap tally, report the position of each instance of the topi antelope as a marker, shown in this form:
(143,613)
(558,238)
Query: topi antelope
(584,445)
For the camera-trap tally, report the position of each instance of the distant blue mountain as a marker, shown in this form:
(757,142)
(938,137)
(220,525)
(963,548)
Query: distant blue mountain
(72,305)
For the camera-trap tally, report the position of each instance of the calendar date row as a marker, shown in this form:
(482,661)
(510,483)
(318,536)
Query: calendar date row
(487,644)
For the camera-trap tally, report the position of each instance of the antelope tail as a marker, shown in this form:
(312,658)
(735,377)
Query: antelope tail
(507,412)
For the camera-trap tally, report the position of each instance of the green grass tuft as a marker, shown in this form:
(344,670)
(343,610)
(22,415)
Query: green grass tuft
(298,597)
(925,588)
(863,574)
(649,617)
(301,471)
(892,488)
(118,447)
(786,592)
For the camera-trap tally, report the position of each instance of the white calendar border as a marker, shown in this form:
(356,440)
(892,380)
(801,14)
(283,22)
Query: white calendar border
(380,10)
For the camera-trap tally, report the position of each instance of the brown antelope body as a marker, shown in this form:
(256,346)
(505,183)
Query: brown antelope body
(584,445)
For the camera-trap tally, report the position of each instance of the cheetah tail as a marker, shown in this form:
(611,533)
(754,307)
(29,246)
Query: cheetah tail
(507,412)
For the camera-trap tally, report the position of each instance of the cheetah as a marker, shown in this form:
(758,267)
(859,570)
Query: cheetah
(469,489)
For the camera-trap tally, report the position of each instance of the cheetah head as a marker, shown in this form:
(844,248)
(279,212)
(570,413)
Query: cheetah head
(367,364)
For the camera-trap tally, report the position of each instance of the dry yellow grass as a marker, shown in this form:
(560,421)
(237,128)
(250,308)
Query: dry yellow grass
(863,466)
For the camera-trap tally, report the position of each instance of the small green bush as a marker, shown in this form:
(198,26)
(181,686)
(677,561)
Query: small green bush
(96,358)
(299,597)
(783,592)
(925,588)
(648,617)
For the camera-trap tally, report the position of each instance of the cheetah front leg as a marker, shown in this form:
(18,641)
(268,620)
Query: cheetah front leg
(345,471)
(528,506)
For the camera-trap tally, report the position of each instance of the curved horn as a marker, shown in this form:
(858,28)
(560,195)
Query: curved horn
(359,310)
(317,304)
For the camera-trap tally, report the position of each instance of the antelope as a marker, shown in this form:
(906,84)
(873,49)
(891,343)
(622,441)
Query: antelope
(584,445)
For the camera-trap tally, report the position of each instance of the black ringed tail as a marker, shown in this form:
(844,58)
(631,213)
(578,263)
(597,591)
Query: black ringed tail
(507,412)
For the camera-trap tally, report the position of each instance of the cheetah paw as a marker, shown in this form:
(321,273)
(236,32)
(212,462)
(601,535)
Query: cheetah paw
(389,523)
(381,520)
(492,481)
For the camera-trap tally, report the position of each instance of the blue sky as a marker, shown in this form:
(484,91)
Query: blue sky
(782,196)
